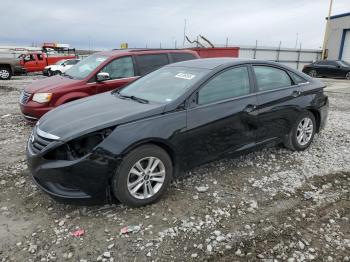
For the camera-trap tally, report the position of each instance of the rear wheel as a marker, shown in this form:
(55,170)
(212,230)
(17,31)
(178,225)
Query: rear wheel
(347,76)
(313,73)
(302,133)
(57,72)
(5,73)
(143,176)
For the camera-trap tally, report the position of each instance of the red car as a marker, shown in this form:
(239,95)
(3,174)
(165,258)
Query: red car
(100,72)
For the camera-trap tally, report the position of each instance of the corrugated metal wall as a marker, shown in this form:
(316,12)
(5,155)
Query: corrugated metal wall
(295,58)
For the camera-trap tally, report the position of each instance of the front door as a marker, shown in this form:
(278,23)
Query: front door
(222,120)
(121,72)
(30,62)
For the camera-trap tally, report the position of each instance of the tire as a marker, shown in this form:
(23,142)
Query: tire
(347,76)
(313,73)
(124,181)
(57,72)
(292,142)
(5,73)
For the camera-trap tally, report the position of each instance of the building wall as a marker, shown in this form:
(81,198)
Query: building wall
(336,28)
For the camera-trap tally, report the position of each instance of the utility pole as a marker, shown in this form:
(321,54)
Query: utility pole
(183,43)
(325,38)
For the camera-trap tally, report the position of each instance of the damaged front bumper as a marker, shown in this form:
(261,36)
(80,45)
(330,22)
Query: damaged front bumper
(84,180)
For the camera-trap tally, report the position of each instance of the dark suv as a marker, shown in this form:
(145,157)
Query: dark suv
(100,72)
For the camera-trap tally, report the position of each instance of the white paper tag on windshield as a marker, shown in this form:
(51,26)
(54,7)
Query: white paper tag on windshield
(100,59)
(185,76)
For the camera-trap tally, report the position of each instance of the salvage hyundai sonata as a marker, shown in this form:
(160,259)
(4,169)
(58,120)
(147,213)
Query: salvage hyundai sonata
(128,144)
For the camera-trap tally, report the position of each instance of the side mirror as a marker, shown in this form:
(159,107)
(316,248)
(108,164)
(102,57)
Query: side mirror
(102,76)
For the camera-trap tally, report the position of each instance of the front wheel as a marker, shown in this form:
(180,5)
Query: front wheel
(143,176)
(57,72)
(302,132)
(5,73)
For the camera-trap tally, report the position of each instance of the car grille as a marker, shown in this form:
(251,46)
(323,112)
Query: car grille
(38,143)
(24,97)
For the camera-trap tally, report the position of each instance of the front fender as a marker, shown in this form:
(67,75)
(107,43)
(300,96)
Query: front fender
(166,131)
(70,97)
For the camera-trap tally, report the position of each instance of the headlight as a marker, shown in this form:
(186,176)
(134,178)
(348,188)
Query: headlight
(42,97)
(80,146)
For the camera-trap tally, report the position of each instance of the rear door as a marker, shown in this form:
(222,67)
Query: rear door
(277,101)
(121,71)
(40,62)
(222,120)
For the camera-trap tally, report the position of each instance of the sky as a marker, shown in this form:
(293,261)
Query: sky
(105,24)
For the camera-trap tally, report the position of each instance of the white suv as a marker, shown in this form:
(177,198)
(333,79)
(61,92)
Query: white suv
(60,67)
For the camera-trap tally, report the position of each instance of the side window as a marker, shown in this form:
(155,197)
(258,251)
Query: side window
(321,62)
(332,63)
(148,63)
(269,78)
(178,57)
(297,79)
(71,62)
(231,83)
(120,68)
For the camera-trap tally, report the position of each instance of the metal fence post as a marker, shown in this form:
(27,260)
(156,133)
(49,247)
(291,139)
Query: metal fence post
(256,46)
(278,52)
(298,60)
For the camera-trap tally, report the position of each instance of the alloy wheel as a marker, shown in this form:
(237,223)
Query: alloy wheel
(313,73)
(347,76)
(146,177)
(305,131)
(4,74)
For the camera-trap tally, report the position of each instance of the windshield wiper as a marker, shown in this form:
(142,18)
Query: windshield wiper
(135,98)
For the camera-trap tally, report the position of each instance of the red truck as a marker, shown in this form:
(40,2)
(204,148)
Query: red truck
(36,61)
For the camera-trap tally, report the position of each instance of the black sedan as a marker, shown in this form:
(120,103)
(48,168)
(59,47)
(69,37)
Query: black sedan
(328,68)
(129,144)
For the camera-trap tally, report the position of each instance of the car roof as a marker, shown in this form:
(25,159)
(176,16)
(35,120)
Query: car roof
(120,52)
(212,63)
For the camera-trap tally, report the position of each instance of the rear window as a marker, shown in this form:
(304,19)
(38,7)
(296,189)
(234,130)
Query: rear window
(149,63)
(269,78)
(178,57)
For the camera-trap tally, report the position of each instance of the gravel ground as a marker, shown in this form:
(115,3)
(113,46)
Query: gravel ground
(270,205)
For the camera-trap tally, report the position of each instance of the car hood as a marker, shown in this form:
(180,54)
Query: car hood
(94,113)
(50,83)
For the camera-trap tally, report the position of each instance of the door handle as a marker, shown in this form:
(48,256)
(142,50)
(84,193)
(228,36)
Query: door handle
(249,108)
(296,93)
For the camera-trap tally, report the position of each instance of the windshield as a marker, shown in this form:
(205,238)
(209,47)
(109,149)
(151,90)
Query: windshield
(85,67)
(164,85)
(343,63)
